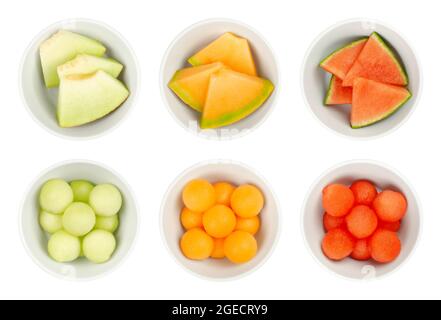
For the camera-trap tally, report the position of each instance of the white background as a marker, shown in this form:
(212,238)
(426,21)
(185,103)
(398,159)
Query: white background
(150,149)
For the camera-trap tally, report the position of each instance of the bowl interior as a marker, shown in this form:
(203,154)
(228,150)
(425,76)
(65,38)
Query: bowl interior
(42,102)
(384,179)
(194,39)
(36,239)
(316,80)
(173,231)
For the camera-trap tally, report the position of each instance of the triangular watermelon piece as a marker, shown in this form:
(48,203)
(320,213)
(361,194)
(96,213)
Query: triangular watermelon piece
(337,94)
(374,101)
(341,61)
(377,62)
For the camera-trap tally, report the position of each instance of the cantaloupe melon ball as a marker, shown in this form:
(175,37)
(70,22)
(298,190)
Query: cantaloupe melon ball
(196,244)
(191,219)
(99,246)
(250,225)
(247,201)
(81,190)
(224,191)
(50,223)
(219,221)
(79,219)
(218,251)
(109,224)
(106,200)
(55,196)
(63,247)
(199,195)
(240,247)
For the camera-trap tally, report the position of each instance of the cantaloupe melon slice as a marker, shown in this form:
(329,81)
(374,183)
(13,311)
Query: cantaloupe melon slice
(87,64)
(377,62)
(337,94)
(341,61)
(231,50)
(86,98)
(63,47)
(233,96)
(191,84)
(373,101)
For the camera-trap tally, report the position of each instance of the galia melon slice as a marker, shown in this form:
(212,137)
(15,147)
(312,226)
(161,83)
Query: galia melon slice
(337,94)
(373,101)
(341,61)
(191,84)
(87,64)
(86,98)
(231,50)
(232,96)
(377,62)
(63,47)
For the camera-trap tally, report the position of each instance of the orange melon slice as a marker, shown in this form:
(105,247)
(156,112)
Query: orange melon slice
(233,96)
(231,50)
(191,84)
(337,94)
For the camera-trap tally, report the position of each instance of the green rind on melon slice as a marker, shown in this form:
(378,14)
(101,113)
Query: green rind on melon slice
(337,94)
(183,94)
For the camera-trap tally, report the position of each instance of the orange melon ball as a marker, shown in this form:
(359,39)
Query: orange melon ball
(390,206)
(190,219)
(224,191)
(364,192)
(338,244)
(385,246)
(250,225)
(240,247)
(196,244)
(361,251)
(330,222)
(219,221)
(218,251)
(362,222)
(338,200)
(199,195)
(247,201)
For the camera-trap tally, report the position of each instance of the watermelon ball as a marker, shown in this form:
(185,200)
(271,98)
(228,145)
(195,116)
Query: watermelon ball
(330,222)
(391,226)
(338,244)
(362,222)
(338,200)
(385,246)
(364,192)
(361,250)
(390,206)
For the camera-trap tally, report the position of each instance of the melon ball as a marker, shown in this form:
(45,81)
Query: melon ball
(79,219)
(390,206)
(50,223)
(250,225)
(81,190)
(55,196)
(247,201)
(106,200)
(224,191)
(338,244)
(99,246)
(199,195)
(63,247)
(385,246)
(240,247)
(219,221)
(196,244)
(218,251)
(191,219)
(338,200)
(109,224)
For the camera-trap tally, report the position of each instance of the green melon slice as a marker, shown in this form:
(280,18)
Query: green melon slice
(337,94)
(63,47)
(374,101)
(86,98)
(341,61)
(87,64)
(377,62)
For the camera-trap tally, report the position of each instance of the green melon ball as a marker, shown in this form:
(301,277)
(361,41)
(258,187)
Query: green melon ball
(106,200)
(55,196)
(50,223)
(63,247)
(81,190)
(98,246)
(79,219)
(107,223)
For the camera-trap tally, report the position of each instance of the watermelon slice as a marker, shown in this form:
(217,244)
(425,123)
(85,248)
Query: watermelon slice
(373,101)
(337,94)
(377,62)
(341,61)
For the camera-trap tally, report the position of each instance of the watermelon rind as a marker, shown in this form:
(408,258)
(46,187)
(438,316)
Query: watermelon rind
(329,92)
(352,44)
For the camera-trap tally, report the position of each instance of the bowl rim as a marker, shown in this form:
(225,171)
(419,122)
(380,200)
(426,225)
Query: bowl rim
(134,94)
(20,220)
(416,96)
(365,162)
(275,94)
(277,213)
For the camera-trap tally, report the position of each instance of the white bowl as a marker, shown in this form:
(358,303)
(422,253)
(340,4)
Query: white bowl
(194,39)
(385,178)
(36,240)
(215,171)
(41,102)
(315,81)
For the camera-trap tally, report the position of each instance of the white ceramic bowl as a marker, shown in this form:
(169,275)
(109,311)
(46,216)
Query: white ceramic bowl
(41,102)
(194,39)
(36,240)
(385,178)
(215,171)
(315,81)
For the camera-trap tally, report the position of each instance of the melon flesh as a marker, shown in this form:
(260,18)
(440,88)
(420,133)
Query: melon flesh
(373,101)
(63,47)
(231,50)
(233,96)
(86,98)
(87,64)
(377,62)
(337,94)
(341,61)
(191,84)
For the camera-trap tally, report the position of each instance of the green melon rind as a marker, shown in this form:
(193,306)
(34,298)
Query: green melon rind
(352,44)
(182,94)
(194,62)
(244,112)
(330,91)
(385,116)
